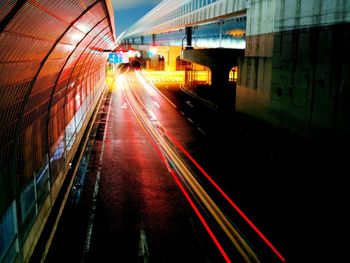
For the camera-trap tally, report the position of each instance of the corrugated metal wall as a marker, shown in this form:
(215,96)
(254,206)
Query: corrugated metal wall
(52,70)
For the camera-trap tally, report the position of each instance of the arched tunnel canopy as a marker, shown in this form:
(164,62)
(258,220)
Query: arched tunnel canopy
(52,69)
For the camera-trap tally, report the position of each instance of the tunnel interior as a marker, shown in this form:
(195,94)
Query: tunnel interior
(52,72)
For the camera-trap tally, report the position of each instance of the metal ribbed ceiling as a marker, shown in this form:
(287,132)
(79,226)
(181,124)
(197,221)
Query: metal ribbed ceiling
(51,63)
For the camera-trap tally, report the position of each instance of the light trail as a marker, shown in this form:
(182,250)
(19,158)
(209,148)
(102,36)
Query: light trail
(183,190)
(187,175)
(143,80)
(228,199)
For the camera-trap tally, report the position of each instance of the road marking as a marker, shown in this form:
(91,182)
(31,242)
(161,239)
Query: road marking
(190,120)
(161,93)
(95,194)
(143,247)
(188,102)
(182,112)
(124,105)
(156,104)
(198,128)
(165,97)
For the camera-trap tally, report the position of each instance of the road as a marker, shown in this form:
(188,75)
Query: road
(173,179)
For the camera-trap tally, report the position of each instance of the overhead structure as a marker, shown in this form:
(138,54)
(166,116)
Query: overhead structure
(52,74)
(212,24)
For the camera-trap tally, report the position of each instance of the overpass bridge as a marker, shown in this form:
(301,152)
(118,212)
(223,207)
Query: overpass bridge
(292,59)
(197,23)
(284,52)
(173,28)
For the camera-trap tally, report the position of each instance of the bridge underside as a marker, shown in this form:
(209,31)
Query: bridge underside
(219,60)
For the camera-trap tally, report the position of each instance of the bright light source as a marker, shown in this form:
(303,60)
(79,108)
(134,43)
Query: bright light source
(77,99)
(153,51)
(82,27)
(131,54)
(77,37)
(151,90)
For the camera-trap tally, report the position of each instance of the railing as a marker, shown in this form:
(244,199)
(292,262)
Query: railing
(172,15)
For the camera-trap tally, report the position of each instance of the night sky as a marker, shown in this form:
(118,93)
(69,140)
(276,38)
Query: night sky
(127,12)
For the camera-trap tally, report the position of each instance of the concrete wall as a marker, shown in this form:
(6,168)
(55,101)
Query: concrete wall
(260,17)
(310,80)
(292,14)
(255,69)
(293,74)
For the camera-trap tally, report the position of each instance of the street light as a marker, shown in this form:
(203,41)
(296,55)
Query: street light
(220,21)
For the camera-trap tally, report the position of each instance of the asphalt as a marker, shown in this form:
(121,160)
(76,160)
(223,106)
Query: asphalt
(293,188)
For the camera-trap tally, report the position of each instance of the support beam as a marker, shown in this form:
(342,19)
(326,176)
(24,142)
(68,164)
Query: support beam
(188,37)
(170,53)
(220,61)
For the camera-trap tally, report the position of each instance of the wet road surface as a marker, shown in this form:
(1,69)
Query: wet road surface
(279,180)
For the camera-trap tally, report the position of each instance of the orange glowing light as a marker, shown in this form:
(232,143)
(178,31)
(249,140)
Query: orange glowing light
(233,74)
(236,32)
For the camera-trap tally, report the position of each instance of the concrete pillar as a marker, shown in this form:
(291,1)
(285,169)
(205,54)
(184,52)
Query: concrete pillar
(171,59)
(219,61)
(170,53)
(188,37)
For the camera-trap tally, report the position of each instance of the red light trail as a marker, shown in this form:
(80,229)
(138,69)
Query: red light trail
(239,211)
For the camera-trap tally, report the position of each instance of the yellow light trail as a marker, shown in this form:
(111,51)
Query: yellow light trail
(233,76)
(141,113)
